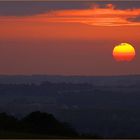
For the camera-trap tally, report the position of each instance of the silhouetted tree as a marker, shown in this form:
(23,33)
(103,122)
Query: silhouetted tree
(44,123)
(37,122)
(8,122)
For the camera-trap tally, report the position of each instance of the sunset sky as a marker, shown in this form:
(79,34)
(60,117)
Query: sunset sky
(68,38)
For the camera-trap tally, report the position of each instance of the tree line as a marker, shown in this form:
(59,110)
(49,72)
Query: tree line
(37,125)
(37,122)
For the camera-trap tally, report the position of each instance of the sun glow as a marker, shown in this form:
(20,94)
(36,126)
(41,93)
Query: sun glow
(124,52)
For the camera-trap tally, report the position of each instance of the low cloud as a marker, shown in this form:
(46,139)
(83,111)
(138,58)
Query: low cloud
(107,16)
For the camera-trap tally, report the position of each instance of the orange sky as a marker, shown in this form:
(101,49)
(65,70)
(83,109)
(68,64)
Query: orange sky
(68,42)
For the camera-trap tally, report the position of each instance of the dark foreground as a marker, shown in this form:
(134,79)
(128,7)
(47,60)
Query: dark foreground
(106,106)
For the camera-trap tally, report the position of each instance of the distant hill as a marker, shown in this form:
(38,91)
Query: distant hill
(8,79)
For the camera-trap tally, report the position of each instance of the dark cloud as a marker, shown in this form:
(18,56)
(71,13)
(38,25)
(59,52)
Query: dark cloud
(31,8)
(25,8)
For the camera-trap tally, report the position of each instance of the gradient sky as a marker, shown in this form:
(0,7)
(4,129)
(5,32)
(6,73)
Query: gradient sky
(67,38)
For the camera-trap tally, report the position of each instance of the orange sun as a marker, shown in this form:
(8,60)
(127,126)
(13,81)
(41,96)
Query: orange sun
(124,52)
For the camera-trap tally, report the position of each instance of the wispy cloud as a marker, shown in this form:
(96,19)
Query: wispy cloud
(95,15)
(107,16)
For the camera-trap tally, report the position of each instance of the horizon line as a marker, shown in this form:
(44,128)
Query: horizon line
(60,75)
(68,0)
